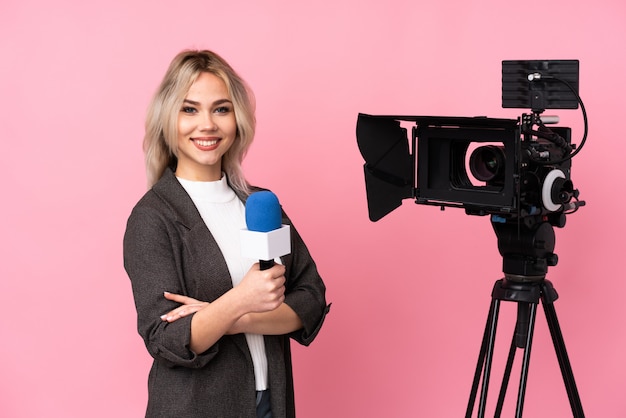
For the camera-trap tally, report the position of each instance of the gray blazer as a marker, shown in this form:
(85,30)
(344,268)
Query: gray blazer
(167,247)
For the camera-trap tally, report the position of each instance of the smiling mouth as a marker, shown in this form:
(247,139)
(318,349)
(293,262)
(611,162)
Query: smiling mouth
(205,142)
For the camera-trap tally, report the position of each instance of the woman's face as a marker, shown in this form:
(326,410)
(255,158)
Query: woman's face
(206,129)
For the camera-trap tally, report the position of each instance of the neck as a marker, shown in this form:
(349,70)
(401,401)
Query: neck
(206,174)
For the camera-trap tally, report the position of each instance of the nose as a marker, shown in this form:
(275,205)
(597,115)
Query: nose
(207,123)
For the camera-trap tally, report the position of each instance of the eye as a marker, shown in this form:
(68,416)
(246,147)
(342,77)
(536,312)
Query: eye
(223,109)
(188,109)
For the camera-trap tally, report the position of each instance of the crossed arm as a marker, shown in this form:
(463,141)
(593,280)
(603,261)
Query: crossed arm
(255,306)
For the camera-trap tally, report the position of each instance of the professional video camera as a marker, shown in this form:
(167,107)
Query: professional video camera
(516,170)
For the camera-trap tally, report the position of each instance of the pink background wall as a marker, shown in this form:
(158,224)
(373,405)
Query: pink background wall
(410,293)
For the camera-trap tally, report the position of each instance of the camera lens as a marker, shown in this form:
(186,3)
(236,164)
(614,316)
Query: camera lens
(487,163)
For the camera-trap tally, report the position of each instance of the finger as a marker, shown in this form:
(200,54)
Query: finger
(275,271)
(280,269)
(279,282)
(180,312)
(183,311)
(186,300)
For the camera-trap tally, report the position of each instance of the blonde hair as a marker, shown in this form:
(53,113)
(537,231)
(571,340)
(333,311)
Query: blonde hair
(160,142)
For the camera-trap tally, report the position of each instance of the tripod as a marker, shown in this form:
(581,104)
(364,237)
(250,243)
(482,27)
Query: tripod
(527,251)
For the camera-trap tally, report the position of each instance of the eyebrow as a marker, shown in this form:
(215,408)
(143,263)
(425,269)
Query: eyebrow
(215,103)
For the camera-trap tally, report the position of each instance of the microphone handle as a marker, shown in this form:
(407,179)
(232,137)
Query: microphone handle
(266,264)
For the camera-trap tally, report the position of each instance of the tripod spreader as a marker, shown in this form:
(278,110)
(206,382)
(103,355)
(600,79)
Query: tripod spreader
(525,294)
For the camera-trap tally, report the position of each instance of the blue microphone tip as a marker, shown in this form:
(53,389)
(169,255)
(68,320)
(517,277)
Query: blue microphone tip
(263,212)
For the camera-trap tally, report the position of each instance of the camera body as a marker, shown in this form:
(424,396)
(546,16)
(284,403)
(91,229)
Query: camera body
(484,165)
(513,169)
(493,166)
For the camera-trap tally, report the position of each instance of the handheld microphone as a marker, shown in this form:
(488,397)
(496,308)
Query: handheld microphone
(264,238)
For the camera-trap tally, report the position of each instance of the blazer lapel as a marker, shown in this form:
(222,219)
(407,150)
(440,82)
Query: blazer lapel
(207,272)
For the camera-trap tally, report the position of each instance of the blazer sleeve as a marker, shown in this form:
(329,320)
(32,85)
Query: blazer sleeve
(305,292)
(153,261)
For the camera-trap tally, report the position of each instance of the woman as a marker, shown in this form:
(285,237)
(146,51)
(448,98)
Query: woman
(216,325)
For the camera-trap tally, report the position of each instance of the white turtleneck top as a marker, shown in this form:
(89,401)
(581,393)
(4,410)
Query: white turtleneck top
(224,215)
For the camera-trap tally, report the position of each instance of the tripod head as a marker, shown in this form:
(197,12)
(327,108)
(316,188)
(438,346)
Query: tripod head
(527,249)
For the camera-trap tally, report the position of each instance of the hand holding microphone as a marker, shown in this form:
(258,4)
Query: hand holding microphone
(264,239)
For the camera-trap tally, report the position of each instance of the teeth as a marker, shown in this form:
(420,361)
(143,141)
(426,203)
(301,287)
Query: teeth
(206,143)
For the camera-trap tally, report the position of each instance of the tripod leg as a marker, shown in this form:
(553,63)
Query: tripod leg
(505,378)
(520,340)
(479,365)
(548,297)
(526,362)
(484,361)
(488,359)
